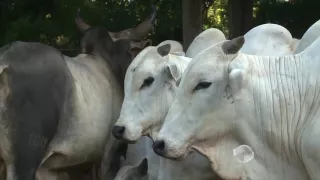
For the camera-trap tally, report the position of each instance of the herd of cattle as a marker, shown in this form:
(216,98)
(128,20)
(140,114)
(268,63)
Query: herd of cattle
(124,109)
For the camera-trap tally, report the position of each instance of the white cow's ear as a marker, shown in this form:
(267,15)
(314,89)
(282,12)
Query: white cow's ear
(164,50)
(179,53)
(143,167)
(236,81)
(233,46)
(173,71)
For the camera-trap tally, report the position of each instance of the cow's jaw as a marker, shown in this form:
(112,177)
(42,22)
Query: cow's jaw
(223,163)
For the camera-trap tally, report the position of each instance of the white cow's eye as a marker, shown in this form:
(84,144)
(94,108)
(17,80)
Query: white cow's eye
(202,85)
(147,82)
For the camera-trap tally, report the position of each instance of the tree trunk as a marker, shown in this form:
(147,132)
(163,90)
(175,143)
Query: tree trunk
(191,20)
(240,14)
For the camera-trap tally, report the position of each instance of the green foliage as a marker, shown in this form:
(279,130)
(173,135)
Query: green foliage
(216,16)
(296,17)
(52,21)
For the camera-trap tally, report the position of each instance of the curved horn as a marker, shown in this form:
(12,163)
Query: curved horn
(152,16)
(145,27)
(80,23)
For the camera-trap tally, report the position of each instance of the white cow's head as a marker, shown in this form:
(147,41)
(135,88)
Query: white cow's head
(203,109)
(150,84)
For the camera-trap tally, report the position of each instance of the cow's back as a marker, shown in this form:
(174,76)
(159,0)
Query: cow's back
(35,85)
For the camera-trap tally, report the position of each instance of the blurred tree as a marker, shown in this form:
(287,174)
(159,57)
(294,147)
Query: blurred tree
(215,15)
(52,21)
(191,20)
(240,14)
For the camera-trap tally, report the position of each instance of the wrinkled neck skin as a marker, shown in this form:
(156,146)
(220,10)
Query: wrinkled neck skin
(275,116)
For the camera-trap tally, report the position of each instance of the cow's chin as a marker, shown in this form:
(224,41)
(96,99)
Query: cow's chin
(177,156)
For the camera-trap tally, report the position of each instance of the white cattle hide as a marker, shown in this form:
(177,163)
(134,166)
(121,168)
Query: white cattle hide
(143,111)
(204,40)
(145,60)
(98,112)
(227,98)
(268,40)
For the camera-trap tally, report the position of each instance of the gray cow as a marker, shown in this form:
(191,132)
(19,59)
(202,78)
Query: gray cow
(56,111)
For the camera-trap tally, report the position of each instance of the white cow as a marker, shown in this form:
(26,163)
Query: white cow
(145,107)
(309,37)
(168,169)
(265,39)
(143,148)
(227,98)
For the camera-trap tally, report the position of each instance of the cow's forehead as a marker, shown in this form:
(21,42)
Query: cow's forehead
(203,66)
(148,61)
(137,61)
(204,60)
(145,64)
